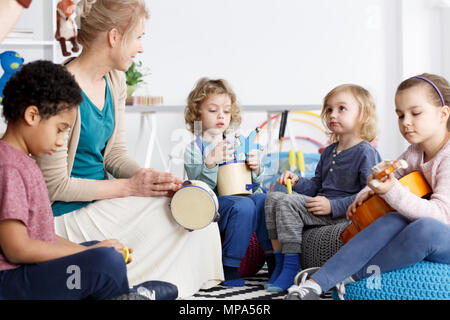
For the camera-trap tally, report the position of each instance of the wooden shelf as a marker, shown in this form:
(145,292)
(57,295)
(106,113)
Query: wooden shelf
(27,43)
(41,45)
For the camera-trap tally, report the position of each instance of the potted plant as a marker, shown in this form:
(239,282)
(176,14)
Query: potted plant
(134,76)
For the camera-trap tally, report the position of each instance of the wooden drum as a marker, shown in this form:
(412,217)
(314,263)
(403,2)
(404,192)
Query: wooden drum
(194,206)
(233,177)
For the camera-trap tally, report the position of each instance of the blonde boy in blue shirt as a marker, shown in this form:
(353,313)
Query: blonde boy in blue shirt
(342,171)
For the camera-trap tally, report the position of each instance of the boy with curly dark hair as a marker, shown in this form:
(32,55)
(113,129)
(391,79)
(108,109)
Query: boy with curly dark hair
(40,105)
(48,87)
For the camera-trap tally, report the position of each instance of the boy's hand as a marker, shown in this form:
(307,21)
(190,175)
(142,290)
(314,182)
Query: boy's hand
(288,175)
(253,161)
(352,208)
(383,186)
(221,153)
(113,243)
(319,206)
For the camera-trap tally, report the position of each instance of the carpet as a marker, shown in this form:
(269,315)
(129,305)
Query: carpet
(253,290)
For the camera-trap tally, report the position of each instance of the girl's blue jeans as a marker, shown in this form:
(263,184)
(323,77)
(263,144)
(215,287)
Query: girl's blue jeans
(390,242)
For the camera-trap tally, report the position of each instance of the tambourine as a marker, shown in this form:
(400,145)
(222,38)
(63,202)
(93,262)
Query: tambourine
(194,206)
(234,178)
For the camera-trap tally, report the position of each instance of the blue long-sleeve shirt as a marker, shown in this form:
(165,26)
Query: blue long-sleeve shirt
(340,176)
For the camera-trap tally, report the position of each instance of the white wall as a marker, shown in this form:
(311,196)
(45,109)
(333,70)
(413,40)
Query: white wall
(285,52)
(275,52)
(425,35)
(445,39)
(280,52)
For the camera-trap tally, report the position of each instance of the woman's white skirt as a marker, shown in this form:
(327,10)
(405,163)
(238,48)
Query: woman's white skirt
(162,249)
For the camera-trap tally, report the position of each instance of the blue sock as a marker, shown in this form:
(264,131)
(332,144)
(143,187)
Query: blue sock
(291,266)
(232,278)
(239,282)
(277,270)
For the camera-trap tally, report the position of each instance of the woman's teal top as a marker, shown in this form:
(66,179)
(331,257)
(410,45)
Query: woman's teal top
(96,129)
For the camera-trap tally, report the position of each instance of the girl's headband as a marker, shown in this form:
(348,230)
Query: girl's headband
(434,86)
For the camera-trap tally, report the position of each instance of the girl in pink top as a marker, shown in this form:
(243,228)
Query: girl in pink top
(420,229)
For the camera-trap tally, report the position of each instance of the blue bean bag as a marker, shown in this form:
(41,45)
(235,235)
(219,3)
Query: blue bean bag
(422,281)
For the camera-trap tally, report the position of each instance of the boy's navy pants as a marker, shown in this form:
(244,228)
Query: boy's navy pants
(98,273)
(239,218)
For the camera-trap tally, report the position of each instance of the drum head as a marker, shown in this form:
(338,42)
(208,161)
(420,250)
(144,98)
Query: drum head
(193,208)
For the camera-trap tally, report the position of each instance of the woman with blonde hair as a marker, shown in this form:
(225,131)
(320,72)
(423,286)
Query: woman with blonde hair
(133,207)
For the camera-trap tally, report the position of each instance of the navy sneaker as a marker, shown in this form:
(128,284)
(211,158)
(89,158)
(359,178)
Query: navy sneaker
(151,290)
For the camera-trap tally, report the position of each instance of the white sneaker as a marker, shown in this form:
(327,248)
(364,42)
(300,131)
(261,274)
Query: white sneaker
(306,290)
(302,284)
(309,272)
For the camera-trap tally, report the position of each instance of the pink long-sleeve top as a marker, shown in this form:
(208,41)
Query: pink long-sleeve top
(436,172)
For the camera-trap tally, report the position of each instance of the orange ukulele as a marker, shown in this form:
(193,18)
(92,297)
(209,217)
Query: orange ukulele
(375,207)
(382,170)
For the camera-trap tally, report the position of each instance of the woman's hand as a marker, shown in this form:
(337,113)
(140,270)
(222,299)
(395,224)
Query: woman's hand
(221,153)
(152,183)
(319,206)
(116,245)
(383,186)
(253,161)
(358,201)
(288,175)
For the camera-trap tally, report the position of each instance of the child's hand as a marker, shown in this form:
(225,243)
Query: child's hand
(221,153)
(383,186)
(253,161)
(319,206)
(113,243)
(288,175)
(352,208)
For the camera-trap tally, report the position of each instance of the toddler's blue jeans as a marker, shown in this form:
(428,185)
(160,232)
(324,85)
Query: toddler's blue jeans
(98,273)
(390,242)
(239,218)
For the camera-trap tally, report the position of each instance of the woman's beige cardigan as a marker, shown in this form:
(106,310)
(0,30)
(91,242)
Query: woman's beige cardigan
(56,168)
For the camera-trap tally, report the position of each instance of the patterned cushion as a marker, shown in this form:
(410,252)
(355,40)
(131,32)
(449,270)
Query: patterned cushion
(253,259)
(320,243)
(422,281)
